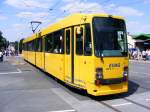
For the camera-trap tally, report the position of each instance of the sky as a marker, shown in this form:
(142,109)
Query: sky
(16,15)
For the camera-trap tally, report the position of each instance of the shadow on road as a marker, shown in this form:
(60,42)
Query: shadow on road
(132,89)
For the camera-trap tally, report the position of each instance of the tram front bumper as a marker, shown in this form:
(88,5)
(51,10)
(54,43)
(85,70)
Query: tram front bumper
(107,89)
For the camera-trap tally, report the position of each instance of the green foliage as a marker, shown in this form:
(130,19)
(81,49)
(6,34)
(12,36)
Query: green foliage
(21,45)
(3,42)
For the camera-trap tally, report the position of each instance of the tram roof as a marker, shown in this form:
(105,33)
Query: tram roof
(74,19)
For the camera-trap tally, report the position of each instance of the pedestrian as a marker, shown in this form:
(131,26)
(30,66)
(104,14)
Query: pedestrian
(148,54)
(1,55)
(144,55)
(135,54)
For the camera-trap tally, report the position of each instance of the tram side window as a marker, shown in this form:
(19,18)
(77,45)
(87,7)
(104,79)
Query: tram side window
(33,45)
(67,41)
(87,41)
(58,42)
(79,41)
(39,44)
(25,46)
(30,46)
(49,43)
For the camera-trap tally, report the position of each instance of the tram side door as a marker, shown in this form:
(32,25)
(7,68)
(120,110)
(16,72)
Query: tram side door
(68,55)
(82,54)
(78,52)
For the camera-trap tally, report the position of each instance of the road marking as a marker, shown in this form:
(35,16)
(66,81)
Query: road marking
(123,104)
(147,99)
(19,63)
(139,72)
(147,81)
(18,71)
(139,61)
(63,111)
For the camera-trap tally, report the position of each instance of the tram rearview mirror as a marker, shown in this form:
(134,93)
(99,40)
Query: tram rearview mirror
(78,31)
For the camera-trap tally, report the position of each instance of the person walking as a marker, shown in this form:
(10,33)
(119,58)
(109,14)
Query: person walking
(1,55)
(148,54)
(144,55)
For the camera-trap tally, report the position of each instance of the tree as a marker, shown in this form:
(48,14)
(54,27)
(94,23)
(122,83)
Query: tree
(3,42)
(21,45)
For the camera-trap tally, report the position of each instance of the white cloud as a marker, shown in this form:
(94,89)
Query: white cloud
(69,0)
(29,4)
(32,15)
(3,17)
(19,26)
(145,1)
(84,6)
(78,6)
(137,27)
(123,10)
(128,11)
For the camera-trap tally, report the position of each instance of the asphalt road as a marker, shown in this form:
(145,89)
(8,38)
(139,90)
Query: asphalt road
(24,88)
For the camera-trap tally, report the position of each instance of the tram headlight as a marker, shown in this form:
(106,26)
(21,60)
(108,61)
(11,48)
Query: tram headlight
(125,74)
(98,76)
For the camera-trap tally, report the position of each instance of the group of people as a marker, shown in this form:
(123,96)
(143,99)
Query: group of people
(6,53)
(140,55)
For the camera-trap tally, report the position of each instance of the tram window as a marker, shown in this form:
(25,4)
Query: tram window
(25,46)
(58,42)
(33,45)
(67,41)
(87,41)
(79,41)
(36,45)
(49,43)
(39,44)
(30,46)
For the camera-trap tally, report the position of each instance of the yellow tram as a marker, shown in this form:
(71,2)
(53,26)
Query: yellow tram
(87,51)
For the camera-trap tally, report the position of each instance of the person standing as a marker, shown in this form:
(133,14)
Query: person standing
(143,54)
(148,54)
(1,55)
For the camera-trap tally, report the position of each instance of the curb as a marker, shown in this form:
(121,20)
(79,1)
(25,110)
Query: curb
(139,61)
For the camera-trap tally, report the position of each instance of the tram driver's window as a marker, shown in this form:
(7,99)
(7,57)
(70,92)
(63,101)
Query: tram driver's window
(79,41)
(67,41)
(87,41)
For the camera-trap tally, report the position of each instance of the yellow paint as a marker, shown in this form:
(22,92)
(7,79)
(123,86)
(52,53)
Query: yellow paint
(54,64)
(67,60)
(38,59)
(59,65)
(31,57)
(107,89)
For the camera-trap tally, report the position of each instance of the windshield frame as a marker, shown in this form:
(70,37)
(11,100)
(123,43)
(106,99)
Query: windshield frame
(125,44)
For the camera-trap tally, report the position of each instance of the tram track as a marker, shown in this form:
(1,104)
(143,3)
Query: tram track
(109,106)
(128,101)
(133,102)
(148,89)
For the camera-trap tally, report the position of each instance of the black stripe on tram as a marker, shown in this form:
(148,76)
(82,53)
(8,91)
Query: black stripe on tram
(72,55)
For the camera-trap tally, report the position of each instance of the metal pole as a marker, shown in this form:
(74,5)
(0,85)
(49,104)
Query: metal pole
(18,47)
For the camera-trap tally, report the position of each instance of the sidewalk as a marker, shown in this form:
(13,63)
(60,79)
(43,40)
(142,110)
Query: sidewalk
(141,61)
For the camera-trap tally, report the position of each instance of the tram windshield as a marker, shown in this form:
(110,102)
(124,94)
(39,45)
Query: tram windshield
(110,37)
